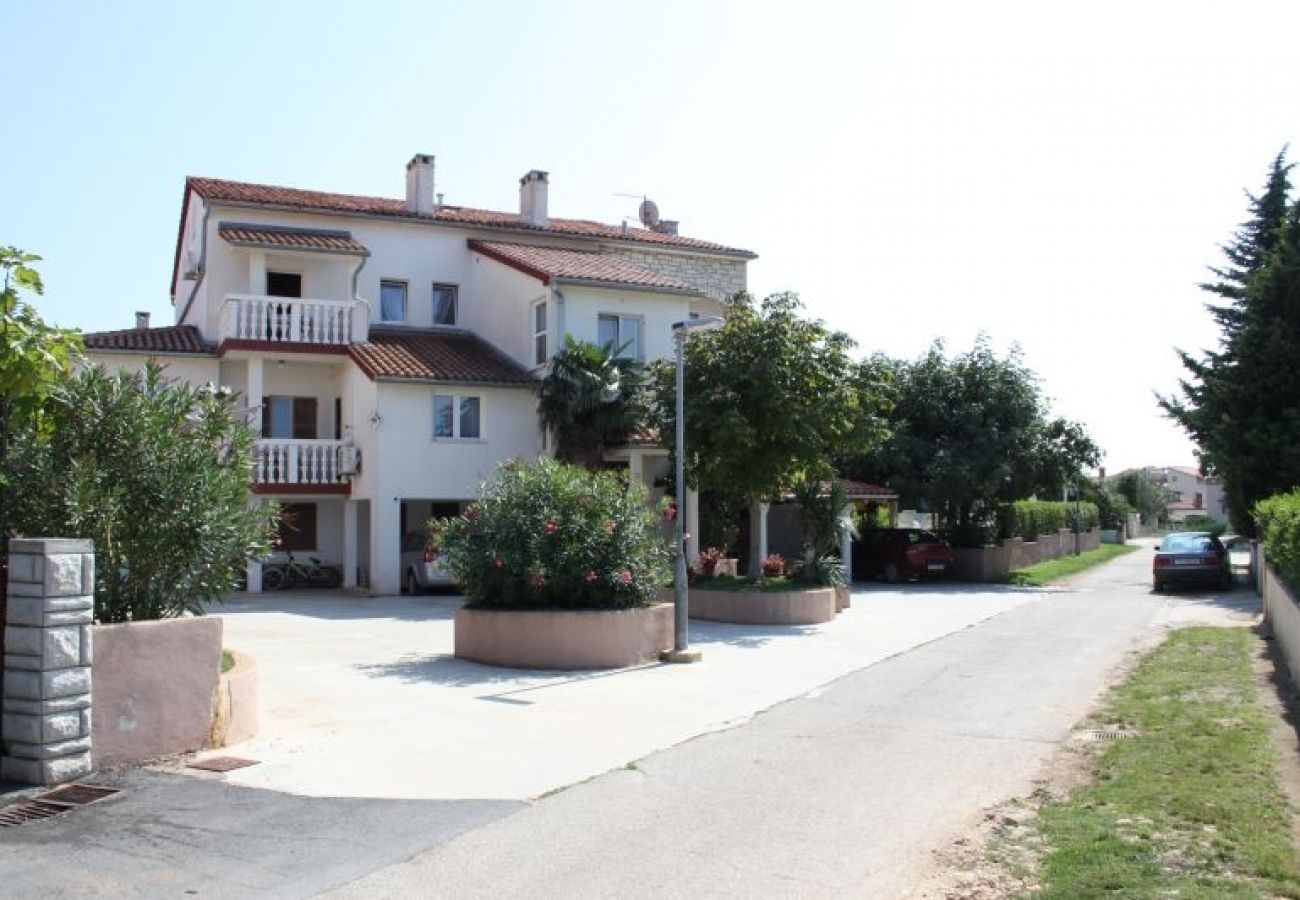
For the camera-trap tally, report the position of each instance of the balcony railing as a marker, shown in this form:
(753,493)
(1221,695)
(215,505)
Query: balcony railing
(291,320)
(297,462)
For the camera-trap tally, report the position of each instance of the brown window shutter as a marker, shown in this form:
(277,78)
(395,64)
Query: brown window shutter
(266,417)
(304,418)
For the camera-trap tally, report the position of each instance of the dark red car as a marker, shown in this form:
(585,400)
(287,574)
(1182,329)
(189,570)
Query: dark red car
(1191,558)
(895,554)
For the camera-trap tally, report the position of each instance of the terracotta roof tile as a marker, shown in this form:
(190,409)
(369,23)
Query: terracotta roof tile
(861,489)
(295,198)
(549,263)
(169,339)
(291,238)
(453,356)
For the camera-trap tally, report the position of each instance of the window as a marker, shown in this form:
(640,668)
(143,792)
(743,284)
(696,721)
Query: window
(288,418)
(539,334)
(444,304)
(392,301)
(622,334)
(296,530)
(457,417)
(283,284)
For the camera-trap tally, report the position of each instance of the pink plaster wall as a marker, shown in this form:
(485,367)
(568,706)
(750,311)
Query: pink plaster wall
(809,607)
(153,688)
(564,639)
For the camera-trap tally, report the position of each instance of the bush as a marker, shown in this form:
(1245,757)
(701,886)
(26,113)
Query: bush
(555,536)
(1028,519)
(1204,523)
(774,564)
(707,564)
(156,473)
(824,571)
(1279,526)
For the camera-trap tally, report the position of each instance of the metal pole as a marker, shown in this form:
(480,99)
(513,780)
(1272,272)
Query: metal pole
(681,628)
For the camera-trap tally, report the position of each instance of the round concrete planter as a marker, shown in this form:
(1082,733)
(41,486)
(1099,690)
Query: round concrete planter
(809,607)
(235,717)
(843,598)
(564,638)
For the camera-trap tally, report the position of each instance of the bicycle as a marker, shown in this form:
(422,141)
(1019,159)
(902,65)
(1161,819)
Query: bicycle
(291,573)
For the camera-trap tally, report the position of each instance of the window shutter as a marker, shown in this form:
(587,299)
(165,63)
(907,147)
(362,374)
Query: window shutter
(304,418)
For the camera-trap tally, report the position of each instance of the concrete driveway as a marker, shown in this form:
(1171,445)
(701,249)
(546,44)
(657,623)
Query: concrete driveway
(361,697)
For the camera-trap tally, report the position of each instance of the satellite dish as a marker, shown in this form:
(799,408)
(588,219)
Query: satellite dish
(649,213)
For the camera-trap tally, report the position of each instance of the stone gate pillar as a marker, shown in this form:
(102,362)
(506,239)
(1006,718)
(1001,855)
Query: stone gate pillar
(46,703)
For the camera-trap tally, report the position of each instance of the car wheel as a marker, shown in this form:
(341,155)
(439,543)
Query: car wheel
(1157,587)
(891,573)
(412,584)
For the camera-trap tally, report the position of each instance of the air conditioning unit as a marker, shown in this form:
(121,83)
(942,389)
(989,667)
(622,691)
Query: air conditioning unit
(349,460)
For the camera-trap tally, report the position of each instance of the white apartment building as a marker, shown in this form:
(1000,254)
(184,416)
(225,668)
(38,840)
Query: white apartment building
(389,349)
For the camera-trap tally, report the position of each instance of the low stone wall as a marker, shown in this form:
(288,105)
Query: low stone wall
(1283,614)
(155,684)
(996,563)
(810,607)
(564,639)
(236,717)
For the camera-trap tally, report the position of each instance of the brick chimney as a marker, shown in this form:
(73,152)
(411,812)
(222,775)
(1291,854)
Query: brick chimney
(419,185)
(142,321)
(532,199)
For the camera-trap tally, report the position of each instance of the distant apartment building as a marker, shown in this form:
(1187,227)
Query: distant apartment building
(1191,494)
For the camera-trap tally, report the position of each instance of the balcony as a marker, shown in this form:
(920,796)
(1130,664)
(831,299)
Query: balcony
(257,321)
(285,466)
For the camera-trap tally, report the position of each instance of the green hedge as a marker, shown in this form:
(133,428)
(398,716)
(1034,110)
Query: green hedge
(1279,526)
(1029,518)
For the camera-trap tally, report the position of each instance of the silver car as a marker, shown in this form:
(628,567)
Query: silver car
(422,568)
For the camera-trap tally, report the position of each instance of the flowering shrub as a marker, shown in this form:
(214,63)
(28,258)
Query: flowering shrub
(774,564)
(707,564)
(556,536)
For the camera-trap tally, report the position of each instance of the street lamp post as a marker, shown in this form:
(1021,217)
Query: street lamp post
(681,651)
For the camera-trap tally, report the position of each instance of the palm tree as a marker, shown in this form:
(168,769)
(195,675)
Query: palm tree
(590,400)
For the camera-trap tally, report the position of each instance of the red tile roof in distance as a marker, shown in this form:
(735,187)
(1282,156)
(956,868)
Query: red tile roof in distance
(292,239)
(216,189)
(861,489)
(454,357)
(169,339)
(549,263)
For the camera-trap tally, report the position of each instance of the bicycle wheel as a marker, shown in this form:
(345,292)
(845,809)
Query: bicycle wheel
(272,579)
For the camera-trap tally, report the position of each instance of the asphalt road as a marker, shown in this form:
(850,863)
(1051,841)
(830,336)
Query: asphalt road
(843,792)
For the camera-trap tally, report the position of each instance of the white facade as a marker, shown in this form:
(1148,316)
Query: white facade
(1190,493)
(323,314)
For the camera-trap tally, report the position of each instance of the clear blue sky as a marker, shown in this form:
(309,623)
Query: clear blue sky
(1054,177)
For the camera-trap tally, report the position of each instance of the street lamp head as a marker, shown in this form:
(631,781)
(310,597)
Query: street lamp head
(703,323)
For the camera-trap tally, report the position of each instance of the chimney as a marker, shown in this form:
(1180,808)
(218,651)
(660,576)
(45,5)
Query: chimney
(532,199)
(419,185)
(666,226)
(142,320)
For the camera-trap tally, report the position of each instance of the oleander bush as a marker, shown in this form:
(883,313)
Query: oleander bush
(1278,517)
(556,536)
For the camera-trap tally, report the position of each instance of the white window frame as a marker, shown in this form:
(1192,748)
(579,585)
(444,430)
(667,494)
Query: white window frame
(456,415)
(455,303)
(544,333)
(623,320)
(406,301)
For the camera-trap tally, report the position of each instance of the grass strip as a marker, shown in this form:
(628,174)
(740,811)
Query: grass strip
(1053,569)
(1189,807)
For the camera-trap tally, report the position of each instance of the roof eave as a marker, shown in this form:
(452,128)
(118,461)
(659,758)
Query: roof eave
(629,286)
(459,382)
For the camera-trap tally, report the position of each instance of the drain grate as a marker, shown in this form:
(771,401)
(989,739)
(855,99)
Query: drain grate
(59,800)
(1107,734)
(222,764)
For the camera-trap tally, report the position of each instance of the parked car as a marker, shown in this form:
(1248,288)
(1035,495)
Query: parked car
(1191,558)
(1239,555)
(422,568)
(899,553)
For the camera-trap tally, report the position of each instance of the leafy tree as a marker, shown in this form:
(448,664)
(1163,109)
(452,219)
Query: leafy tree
(768,398)
(1238,401)
(34,357)
(590,400)
(1144,495)
(157,474)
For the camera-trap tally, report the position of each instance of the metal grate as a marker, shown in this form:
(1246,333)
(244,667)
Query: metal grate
(59,800)
(1107,734)
(222,764)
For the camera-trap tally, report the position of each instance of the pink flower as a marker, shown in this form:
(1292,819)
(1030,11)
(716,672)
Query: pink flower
(549,527)
(590,577)
(625,576)
(536,579)
(610,526)
(670,512)
(470,514)
(498,562)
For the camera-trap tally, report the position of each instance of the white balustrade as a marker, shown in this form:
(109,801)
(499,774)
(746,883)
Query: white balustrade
(284,461)
(281,320)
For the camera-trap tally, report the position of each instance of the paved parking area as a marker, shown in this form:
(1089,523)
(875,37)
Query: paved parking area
(361,697)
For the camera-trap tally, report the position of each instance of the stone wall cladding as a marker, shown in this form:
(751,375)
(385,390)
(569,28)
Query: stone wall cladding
(716,277)
(45,721)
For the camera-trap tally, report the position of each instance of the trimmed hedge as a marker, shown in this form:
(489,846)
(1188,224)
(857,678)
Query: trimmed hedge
(1028,519)
(1279,526)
